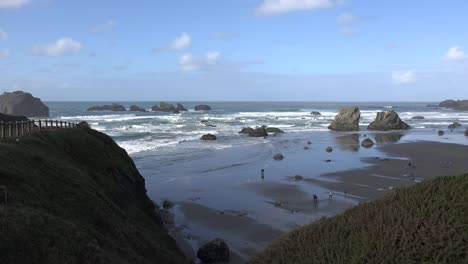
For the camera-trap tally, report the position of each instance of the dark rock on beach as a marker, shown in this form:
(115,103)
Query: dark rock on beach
(346,120)
(274,130)
(22,104)
(367,143)
(215,251)
(208,137)
(165,107)
(454,125)
(457,105)
(440,133)
(181,108)
(254,132)
(135,108)
(329,149)
(466,132)
(278,157)
(388,121)
(202,108)
(315,113)
(111,107)
(418,117)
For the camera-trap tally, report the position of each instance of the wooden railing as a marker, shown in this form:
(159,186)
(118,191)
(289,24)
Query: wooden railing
(20,128)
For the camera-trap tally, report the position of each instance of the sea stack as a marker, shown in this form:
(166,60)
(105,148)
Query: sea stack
(22,104)
(346,120)
(388,121)
(165,107)
(202,108)
(181,108)
(457,105)
(111,107)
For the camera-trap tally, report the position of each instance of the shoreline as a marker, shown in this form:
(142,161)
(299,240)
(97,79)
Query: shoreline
(281,204)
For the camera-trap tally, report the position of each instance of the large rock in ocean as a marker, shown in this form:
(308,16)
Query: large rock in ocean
(202,108)
(346,120)
(457,105)
(181,108)
(388,121)
(111,107)
(164,107)
(135,108)
(215,251)
(22,104)
(274,130)
(254,132)
(208,137)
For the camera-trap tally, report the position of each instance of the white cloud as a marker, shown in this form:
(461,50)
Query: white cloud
(272,7)
(346,19)
(188,62)
(4,53)
(403,77)
(59,48)
(4,4)
(103,27)
(182,42)
(455,54)
(3,35)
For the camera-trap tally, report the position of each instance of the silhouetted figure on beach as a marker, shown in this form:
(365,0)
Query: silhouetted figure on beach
(330,195)
(315,199)
(345,193)
(263,173)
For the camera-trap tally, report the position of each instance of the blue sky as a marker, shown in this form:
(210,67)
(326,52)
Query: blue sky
(298,50)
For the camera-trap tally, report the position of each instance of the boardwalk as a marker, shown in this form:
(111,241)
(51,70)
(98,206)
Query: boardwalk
(18,129)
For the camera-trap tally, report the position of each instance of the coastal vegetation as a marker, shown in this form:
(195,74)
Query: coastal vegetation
(74,196)
(426,223)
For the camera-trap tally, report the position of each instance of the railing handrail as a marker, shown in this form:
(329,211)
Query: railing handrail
(23,127)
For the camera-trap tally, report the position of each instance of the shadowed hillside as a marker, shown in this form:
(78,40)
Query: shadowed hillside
(426,223)
(74,196)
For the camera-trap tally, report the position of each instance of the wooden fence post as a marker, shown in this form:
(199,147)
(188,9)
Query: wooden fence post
(40,124)
(21,128)
(61,124)
(2,129)
(17,129)
(10,129)
(56,124)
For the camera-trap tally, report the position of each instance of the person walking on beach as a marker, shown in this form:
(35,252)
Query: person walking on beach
(315,199)
(330,195)
(263,173)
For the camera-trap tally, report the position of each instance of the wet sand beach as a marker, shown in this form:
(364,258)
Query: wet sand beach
(221,193)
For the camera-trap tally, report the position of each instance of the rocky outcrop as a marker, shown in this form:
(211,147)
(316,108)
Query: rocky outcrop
(165,107)
(278,156)
(215,251)
(111,107)
(77,189)
(202,108)
(208,137)
(22,104)
(454,125)
(367,143)
(12,118)
(388,121)
(274,130)
(418,117)
(135,108)
(315,113)
(457,105)
(254,132)
(346,120)
(181,108)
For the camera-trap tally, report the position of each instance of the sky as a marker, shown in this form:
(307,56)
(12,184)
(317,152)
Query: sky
(235,50)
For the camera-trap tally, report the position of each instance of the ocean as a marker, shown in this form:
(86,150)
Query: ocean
(155,133)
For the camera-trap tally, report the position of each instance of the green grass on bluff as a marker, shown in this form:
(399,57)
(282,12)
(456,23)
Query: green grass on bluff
(74,196)
(426,223)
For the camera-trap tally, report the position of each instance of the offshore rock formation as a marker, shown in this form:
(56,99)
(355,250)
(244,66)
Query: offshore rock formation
(22,104)
(388,121)
(346,120)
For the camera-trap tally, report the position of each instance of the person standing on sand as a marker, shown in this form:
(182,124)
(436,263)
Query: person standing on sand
(315,199)
(330,195)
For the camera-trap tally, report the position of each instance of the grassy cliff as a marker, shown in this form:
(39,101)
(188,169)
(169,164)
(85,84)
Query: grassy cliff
(74,196)
(426,223)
